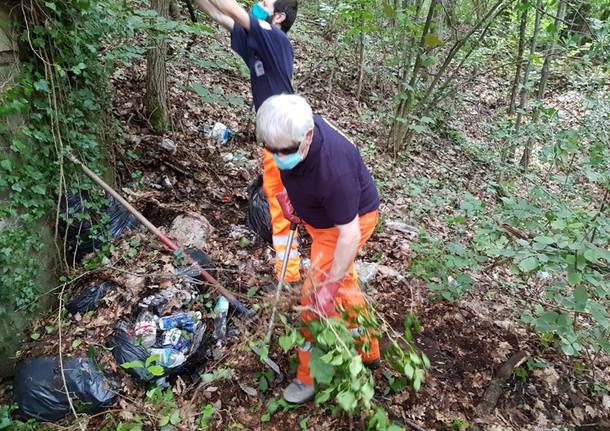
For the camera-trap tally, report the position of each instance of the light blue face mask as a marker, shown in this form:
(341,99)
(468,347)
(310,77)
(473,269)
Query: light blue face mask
(287,162)
(259,12)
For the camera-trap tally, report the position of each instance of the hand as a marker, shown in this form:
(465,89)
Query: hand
(323,298)
(287,208)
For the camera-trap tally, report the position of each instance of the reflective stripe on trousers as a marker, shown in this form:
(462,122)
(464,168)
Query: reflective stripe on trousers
(272,185)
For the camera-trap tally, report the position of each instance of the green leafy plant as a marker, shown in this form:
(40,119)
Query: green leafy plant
(205,416)
(152,365)
(343,382)
(162,401)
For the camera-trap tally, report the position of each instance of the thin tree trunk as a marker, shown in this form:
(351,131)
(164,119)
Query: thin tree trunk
(519,62)
(399,125)
(550,54)
(440,93)
(155,100)
(360,61)
(524,87)
(491,13)
(548,58)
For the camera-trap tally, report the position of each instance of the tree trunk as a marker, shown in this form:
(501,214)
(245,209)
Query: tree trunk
(548,58)
(457,46)
(550,53)
(525,84)
(361,61)
(519,62)
(399,125)
(155,100)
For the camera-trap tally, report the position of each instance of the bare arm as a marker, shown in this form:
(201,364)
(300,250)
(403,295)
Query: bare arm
(234,11)
(222,19)
(346,249)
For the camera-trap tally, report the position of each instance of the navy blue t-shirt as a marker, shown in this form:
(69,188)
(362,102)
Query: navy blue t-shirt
(332,184)
(269,56)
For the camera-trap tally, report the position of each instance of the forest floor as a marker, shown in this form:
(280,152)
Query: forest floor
(467,340)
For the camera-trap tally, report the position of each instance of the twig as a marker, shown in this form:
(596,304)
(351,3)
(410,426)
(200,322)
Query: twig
(494,390)
(61,362)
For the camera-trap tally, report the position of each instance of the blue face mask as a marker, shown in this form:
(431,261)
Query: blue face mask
(287,162)
(259,12)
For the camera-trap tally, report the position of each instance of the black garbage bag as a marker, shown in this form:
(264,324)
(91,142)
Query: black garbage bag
(39,389)
(125,349)
(258,217)
(89,298)
(79,217)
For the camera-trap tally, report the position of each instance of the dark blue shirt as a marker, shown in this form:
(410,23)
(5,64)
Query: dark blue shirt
(332,185)
(269,56)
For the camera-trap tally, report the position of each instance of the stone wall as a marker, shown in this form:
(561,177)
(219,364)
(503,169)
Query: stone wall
(14,324)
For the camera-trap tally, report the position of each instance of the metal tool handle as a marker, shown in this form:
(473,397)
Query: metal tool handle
(280,282)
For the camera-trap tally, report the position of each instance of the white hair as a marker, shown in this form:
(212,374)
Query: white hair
(283,121)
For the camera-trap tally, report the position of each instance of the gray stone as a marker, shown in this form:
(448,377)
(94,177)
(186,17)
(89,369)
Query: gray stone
(190,230)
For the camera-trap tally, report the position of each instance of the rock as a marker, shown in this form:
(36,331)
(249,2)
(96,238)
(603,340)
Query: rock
(410,231)
(367,271)
(190,230)
(169,145)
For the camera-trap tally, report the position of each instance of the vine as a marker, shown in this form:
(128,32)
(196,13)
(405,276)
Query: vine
(59,102)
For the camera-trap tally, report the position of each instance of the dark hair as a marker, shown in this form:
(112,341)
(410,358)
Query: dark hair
(288,7)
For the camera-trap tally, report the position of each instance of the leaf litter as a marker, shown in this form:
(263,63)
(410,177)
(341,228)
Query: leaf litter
(467,341)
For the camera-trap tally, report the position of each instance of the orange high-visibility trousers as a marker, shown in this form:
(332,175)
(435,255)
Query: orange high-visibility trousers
(272,185)
(349,297)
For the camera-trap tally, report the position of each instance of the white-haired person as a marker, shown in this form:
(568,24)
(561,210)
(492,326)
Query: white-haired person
(330,190)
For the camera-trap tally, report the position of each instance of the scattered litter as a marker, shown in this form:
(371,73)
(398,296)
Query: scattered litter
(190,230)
(409,230)
(220,133)
(227,157)
(258,217)
(221,310)
(177,339)
(166,182)
(169,358)
(40,393)
(82,214)
(170,297)
(169,145)
(89,298)
(187,321)
(146,328)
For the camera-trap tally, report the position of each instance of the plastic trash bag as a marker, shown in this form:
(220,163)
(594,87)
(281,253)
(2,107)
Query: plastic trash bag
(78,219)
(39,389)
(125,349)
(89,298)
(258,217)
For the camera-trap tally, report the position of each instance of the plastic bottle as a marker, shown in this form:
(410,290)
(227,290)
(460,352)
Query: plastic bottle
(175,339)
(168,357)
(186,321)
(146,327)
(221,310)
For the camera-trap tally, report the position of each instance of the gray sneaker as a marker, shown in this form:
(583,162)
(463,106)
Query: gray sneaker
(297,392)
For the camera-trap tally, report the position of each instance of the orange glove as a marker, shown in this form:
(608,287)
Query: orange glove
(323,298)
(287,208)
